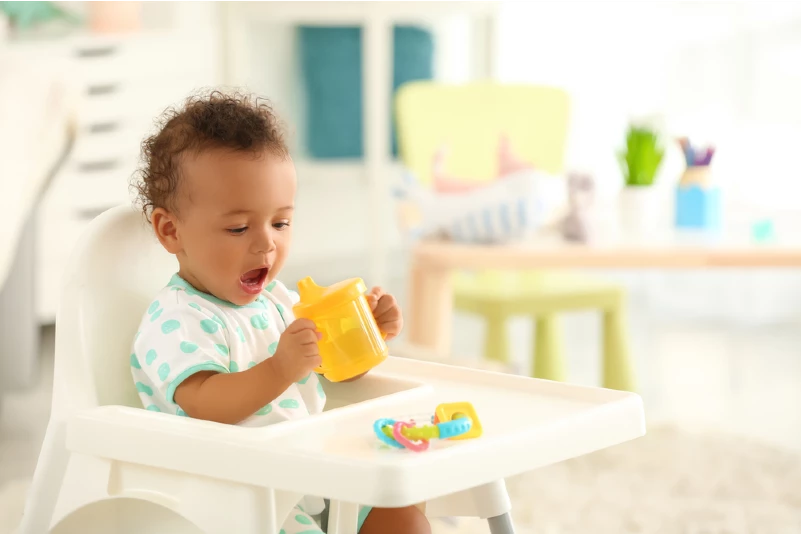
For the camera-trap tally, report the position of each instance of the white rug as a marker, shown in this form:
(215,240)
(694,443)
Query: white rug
(668,482)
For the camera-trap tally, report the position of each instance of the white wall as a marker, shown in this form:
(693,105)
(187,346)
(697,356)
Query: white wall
(726,72)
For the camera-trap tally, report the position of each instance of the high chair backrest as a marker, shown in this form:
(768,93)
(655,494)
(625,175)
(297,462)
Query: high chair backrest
(112,276)
(470,120)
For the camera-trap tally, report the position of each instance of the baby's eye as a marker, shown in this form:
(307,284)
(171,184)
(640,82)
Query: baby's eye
(237,231)
(280,225)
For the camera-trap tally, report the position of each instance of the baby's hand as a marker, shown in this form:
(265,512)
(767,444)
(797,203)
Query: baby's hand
(386,311)
(297,353)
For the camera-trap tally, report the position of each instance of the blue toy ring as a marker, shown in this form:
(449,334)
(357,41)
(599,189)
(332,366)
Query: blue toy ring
(454,427)
(378,427)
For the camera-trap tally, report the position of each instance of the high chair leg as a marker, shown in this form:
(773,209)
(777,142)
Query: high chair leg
(343,517)
(487,500)
(501,524)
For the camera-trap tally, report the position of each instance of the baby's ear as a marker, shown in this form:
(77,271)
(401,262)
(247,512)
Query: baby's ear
(166,229)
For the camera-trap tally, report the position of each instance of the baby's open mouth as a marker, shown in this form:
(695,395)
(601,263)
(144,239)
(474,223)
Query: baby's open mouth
(253,281)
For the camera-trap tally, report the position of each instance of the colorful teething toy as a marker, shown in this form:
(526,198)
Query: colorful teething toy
(456,420)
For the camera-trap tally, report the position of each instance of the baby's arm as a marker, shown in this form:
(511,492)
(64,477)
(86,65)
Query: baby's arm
(231,397)
(181,362)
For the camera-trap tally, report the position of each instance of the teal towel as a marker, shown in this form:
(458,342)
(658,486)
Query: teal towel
(331,66)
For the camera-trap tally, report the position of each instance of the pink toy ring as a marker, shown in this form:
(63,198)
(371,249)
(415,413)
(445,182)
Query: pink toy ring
(403,440)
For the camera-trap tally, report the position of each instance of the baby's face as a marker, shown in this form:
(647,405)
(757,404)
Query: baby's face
(234,229)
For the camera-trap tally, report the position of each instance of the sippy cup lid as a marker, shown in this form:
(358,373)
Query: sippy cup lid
(315,299)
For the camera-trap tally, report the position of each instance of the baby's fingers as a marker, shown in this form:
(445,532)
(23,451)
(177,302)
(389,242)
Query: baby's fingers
(299,325)
(386,304)
(314,360)
(374,296)
(308,337)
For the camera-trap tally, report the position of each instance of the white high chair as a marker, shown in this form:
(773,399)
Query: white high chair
(107,465)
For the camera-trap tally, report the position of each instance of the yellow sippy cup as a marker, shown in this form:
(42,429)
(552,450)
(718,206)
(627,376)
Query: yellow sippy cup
(351,343)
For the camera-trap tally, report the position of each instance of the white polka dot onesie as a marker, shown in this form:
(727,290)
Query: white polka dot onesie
(186,331)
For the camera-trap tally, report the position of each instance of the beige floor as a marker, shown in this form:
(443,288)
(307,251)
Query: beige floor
(736,377)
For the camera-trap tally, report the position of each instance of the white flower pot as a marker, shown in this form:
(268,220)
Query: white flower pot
(640,212)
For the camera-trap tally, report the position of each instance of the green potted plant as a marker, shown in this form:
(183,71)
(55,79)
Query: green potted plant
(642,157)
(640,161)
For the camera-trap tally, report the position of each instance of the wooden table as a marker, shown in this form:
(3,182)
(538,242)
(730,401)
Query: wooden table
(431,295)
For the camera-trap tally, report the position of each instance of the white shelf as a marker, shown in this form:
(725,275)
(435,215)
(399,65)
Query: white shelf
(124,82)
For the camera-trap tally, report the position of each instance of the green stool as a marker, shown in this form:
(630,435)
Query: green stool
(498,295)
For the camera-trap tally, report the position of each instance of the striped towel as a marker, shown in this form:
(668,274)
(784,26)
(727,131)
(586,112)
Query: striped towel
(505,210)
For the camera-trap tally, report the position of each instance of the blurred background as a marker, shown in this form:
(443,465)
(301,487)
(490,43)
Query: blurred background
(608,90)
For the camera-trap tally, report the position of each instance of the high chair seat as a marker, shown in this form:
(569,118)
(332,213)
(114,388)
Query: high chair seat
(107,465)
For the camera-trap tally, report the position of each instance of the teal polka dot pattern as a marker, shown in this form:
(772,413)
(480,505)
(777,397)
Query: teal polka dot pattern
(233,367)
(209,326)
(218,321)
(304,379)
(251,364)
(280,309)
(271,285)
(222,349)
(181,413)
(191,291)
(195,305)
(135,362)
(170,326)
(156,315)
(150,357)
(289,404)
(259,322)
(188,347)
(144,388)
(282,531)
(272,348)
(266,410)
(241,334)
(153,307)
(176,288)
(137,335)
(164,371)
(153,408)
(303,520)
(320,390)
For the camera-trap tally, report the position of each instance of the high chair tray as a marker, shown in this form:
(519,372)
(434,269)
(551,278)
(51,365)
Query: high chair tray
(527,423)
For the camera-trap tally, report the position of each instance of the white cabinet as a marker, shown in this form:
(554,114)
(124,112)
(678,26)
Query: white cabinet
(125,83)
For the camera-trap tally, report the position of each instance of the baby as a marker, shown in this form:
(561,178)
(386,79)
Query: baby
(219,342)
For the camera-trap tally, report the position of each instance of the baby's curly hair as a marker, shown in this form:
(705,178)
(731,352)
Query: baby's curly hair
(239,122)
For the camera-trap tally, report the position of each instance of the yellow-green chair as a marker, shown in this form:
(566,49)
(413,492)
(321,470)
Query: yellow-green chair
(470,119)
